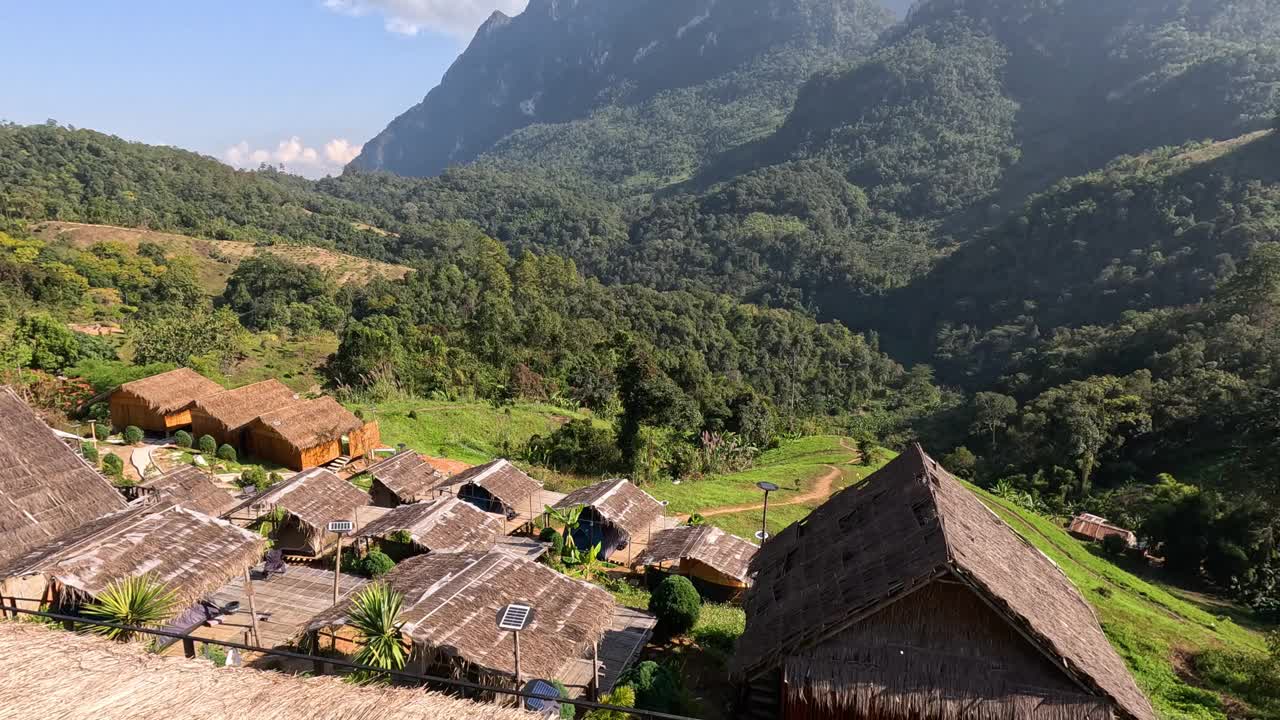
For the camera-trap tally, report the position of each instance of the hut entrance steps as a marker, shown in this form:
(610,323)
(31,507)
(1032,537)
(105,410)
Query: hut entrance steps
(338,464)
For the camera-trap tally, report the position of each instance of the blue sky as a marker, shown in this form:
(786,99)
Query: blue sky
(298,82)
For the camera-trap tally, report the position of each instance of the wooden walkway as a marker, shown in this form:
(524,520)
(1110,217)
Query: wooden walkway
(619,648)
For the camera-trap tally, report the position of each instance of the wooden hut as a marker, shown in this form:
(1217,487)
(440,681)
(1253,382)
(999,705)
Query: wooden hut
(905,598)
(190,487)
(51,673)
(403,478)
(300,510)
(309,434)
(444,525)
(160,403)
(226,416)
(46,489)
(452,601)
(1092,527)
(717,562)
(616,513)
(188,553)
(498,487)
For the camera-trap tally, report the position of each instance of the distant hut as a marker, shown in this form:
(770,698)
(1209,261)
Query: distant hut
(617,513)
(905,598)
(160,403)
(717,562)
(226,415)
(403,478)
(301,508)
(445,525)
(451,603)
(190,487)
(498,487)
(46,489)
(186,552)
(309,434)
(1092,527)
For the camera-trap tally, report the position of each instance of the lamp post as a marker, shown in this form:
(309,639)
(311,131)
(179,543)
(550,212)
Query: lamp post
(514,618)
(339,528)
(767,487)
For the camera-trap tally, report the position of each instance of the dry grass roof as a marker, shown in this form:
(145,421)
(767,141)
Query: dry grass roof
(172,391)
(237,408)
(408,475)
(444,525)
(620,502)
(452,600)
(56,674)
(506,482)
(46,489)
(314,497)
(309,423)
(905,526)
(190,553)
(725,553)
(192,488)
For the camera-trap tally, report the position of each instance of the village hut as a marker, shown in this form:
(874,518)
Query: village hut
(1092,527)
(309,434)
(497,487)
(615,514)
(51,673)
(905,598)
(226,416)
(186,552)
(160,403)
(452,601)
(190,487)
(717,562)
(300,510)
(444,525)
(402,479)
(46,489)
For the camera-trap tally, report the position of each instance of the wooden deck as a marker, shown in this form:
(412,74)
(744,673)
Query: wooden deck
(619,648)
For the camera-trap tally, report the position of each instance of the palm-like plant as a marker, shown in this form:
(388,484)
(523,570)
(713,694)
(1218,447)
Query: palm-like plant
(375,615)
(589,564)
(569,517)
(138,601)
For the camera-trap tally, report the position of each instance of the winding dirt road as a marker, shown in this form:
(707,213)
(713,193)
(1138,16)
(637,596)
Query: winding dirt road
(821,490)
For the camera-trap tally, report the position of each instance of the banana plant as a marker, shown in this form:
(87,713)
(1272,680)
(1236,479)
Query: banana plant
(568,517)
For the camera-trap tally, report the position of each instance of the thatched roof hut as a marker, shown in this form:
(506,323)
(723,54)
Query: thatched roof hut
(404,478)
(1092,527)
(497,487)
(187,552)
(444,525)
(904,597)
(310,433)
(452,602)
(160,403)
(52,673)
(310,501)
(46,489)
(704,553)
(191,488)
(226,415)
(617,512)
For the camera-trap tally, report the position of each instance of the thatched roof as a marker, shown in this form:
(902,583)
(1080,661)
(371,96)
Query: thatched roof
(1097,528)
(314,497)
(46,489)
(506,482)
(51,673)
(172,391)
(452,601)
(309,423)
(725,553)
(444,525)
(620,502)
(191,488)
(907,525)
(237,408)
(186,551)
(408,475)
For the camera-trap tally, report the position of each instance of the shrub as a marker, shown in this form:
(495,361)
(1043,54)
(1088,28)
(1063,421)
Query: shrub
(183,439)
(275,478)
(254,476)
(132,435)
(113,466)
(208,445)
(138,601)
(1114,545)
(90,453)
(102,431)
(226,452)
(547,534)
(696,520)
(622,696)
(376,564)
(215,653)
(401,537)
(567,711)
(676,604)
(656,687)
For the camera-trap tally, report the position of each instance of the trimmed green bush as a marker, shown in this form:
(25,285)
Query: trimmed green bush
(226,452)
(547,534)
(113,466)
(102,430)
(208,445)
(254,476)
(676,604)
(657,687)
(90,453)
(183,439)
(376,564)
(132,435)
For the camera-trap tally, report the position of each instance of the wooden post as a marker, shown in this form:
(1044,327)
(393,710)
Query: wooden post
(517,636)
(253,611)
(595,671)
(188,647)
(93,434)
(337,566)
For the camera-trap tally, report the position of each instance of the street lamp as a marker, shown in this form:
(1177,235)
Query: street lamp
(767,487)
(514,618)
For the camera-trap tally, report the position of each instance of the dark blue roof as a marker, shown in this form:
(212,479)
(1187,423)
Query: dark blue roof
(542,689)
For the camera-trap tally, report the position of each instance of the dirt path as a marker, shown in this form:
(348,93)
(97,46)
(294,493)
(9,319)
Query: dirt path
(820,491)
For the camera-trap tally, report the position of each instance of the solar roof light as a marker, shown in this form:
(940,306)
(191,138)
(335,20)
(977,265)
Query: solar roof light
(513,618)
(767,487)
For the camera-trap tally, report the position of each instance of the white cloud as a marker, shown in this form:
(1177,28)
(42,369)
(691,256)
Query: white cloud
(410,17)
(296,156)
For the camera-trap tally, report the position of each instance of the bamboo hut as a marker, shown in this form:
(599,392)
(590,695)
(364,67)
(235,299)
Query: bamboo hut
(452,601)
(309,434)
(186,552)
(46,489)
(497,487)
(300,510)
(226,415)
(402,479)
(615,514)
(1092,527)
(191,488)
(445,525)
(160,403)
(717,562)
(905,598)
(51,673)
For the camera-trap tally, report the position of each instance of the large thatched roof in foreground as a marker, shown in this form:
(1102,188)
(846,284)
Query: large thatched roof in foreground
(709,545)
(452,600)
(620,502)
(444,525)
(46,489)
(908,527)
(237,408)
(172,391)
(315,497)
(190,487)
(56,674)
(506,482)
(308,423)
(408,475)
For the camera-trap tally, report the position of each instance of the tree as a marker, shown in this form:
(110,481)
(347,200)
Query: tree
(991,412)
(138,601)
(961,462)
(676,604)
(375,616)
(208,445)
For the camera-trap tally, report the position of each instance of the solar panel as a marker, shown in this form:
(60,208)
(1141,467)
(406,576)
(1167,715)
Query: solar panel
(515,617)
(548,696)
